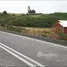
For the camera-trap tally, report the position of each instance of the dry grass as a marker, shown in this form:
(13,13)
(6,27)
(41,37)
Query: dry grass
(2,28)
(37,31)
(47,32)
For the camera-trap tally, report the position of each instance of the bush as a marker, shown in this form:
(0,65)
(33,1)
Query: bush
(18,29)
(4,12)
(30,20)
(13,28)
(63,36)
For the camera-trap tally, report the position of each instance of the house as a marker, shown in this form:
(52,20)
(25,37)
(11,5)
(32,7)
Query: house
(60,26)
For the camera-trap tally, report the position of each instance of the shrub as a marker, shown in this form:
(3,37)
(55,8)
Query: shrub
(63,36)
(4,12)
(16,29)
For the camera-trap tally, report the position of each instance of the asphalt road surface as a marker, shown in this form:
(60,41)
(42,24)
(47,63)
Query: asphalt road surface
(16,50)
(7,60)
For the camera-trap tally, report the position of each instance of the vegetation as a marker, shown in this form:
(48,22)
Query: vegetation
(63,36)
(37,31)
(32,12)
(4,12)
(30,20)
(42,23)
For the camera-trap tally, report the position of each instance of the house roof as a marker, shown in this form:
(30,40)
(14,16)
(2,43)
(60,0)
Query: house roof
(63,23)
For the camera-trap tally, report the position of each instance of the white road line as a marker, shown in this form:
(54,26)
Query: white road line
(22,55)
(57,45)
(25,61)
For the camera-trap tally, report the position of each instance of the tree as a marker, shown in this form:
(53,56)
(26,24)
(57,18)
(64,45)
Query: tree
(33,11)
(29,11)
(4,12)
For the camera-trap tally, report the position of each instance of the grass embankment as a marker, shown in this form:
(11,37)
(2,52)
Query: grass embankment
(45,32)
(28,30)
(37,31)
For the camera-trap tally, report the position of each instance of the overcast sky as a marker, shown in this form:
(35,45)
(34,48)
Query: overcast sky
(38,6)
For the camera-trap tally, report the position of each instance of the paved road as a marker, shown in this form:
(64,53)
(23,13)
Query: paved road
(7,60)
(45,53)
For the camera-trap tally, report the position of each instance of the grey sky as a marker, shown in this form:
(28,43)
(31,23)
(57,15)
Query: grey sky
(39,6)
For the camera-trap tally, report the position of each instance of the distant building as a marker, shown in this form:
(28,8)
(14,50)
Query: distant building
(60,26)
